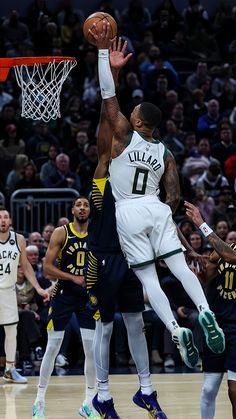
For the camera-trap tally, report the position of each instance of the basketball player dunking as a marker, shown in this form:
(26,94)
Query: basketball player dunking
(144,224)
(110,280)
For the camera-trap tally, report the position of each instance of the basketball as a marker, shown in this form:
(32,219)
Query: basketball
(98,18)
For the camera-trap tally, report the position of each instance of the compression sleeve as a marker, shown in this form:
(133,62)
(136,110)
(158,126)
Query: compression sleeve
(106,81)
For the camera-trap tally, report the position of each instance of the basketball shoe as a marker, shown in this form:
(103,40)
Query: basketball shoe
(13,376)
(105,408)
(38,410)
(149,403)
(87,412)
(183,338)
(215,337)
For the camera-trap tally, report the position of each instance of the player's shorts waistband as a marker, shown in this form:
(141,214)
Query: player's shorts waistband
(136,201)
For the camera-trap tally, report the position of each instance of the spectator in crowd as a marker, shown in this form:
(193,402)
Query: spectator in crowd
(30,179)
(226,148)
(49,166)
(10,146)
(196,79)
(225,198)
(173,138)
(135,20)
(136,98)
(64,177)
(28,331)
(195,14)
(212,180)
(205,203)
(8,116)
(16,174)
(225,76)
(5,97)
(222,229)
(35,239)
(62,221)
(39,143)
(46,235)
(231,237)
(207,123)
(78,154)
(15,32)
(196,241)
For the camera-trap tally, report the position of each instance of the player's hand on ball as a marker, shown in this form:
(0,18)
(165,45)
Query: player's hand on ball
(102,40)
(117,54)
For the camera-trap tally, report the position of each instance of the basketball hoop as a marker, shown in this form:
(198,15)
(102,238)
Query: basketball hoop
(40,80)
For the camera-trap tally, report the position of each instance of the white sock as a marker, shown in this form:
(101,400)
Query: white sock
(138,349)
(53,346)
(89,365)
(158,300)
(179,268)
(10,345)
(210,390)
(102,339)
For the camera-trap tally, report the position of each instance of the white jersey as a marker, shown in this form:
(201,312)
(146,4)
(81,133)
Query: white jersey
(137,171)
(9,259)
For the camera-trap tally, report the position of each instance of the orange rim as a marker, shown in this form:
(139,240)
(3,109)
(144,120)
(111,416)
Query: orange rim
(7,63)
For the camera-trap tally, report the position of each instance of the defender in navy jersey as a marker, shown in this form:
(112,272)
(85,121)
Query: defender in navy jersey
(220,280)
(110,279)
(66,261)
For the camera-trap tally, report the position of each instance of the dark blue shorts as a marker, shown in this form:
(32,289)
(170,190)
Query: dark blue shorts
(117,288)
(212,362)
(65,301)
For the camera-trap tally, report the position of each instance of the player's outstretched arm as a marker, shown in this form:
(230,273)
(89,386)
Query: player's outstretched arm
(119,124)
(28,270)
(104,141)
(49,267)
(225,251)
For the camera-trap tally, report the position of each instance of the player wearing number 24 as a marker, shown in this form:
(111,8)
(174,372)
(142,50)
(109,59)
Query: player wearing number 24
(12,252)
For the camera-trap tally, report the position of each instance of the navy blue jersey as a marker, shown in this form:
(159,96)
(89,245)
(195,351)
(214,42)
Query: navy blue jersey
(73,256)
(103,235)
(221,294)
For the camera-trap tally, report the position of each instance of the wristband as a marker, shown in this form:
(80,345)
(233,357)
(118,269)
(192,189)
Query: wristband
(205,229)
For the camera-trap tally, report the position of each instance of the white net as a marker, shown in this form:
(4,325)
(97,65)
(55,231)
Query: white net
(41,86)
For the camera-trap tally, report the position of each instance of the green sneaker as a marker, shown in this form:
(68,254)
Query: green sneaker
(183,338)
(215,337)
(87,412)
(38,411)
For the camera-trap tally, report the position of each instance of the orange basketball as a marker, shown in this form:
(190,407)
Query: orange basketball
(98,18)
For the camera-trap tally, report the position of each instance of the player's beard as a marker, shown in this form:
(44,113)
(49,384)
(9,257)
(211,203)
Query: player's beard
(3,229)
(81,219)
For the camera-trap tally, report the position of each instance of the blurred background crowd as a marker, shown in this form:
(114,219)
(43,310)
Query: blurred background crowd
(183,62)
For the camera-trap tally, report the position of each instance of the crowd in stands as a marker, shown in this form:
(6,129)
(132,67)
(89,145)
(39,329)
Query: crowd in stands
(184,63)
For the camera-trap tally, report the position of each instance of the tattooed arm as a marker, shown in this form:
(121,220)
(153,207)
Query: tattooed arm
(223,249)
(171,182)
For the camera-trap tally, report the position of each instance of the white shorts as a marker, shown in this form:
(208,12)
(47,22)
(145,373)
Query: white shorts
(146,230)
(8,306)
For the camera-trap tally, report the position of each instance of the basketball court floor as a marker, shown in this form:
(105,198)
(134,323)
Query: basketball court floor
(179,395)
